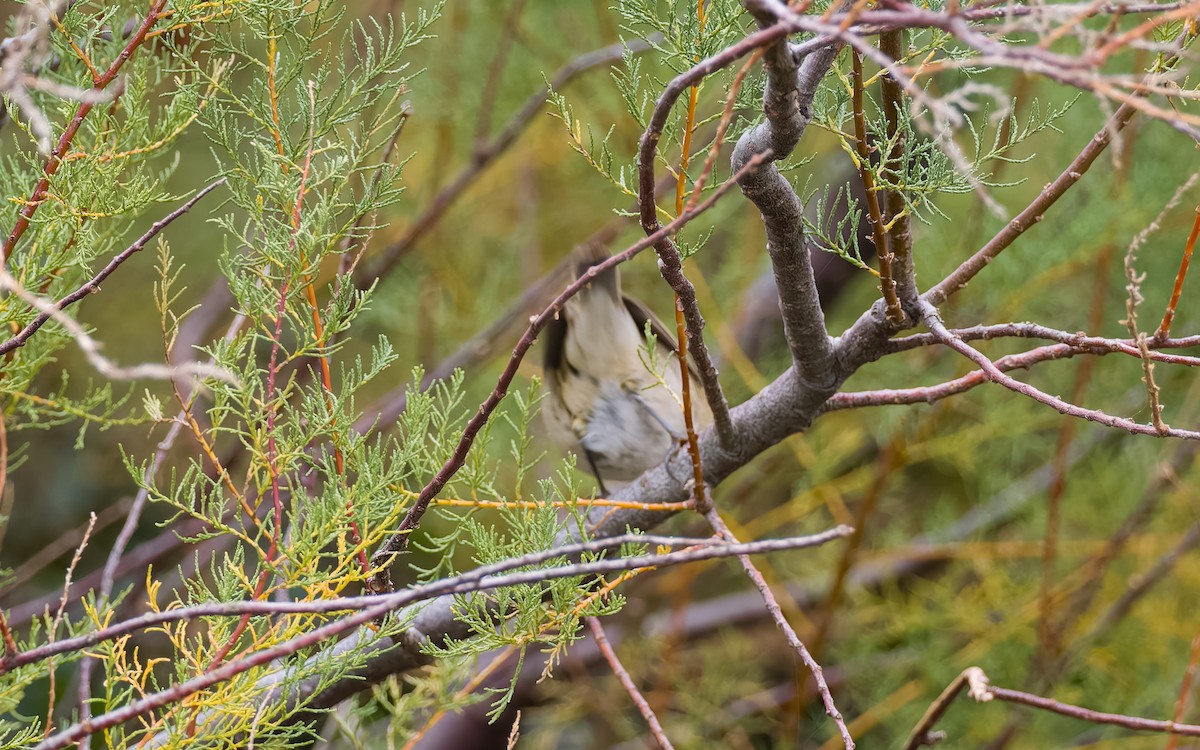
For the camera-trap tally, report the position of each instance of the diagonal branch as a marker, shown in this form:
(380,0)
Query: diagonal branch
(38,196)
(92,285)
(932,320)
(1034,212)
(623,676)
(485,154)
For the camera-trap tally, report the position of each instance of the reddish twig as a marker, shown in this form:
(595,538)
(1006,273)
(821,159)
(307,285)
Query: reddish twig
(672,268)
(1185,688)
(1073,345)
(64,142)
(10,645)
(272,404)
(669,263)
(722,127)
(1164,328)
(983,692)
(1081,341)
(626,681)
(932,319)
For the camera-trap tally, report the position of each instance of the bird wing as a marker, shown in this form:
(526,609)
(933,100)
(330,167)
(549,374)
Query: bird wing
(642,315)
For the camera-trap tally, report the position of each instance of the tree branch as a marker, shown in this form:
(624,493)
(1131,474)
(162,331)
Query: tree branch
(786,103)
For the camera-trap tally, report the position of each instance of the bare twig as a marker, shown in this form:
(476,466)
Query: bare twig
(656,730)
(479,579)
(793,640)
(1133,281)
(52,625)
(92,285)
(1022,361)
(1090,716)
(972,677)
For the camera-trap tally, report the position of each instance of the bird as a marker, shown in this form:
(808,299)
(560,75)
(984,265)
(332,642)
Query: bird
(603,399)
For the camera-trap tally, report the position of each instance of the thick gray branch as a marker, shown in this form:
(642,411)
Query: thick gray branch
(786,103)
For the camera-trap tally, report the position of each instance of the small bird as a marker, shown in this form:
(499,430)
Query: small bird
(604,400)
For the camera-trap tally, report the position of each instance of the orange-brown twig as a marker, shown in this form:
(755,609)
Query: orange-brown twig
(887,282)
(1164,328)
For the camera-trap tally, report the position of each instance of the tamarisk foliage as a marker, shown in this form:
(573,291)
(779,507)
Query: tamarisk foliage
(275,269)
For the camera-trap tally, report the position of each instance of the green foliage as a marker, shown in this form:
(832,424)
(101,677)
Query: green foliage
(301,139)
(296,106)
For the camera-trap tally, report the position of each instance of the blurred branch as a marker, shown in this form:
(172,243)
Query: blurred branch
(485,154)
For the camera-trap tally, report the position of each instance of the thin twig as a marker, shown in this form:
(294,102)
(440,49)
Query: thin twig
(52,626)
(899,244)
(1185,688)
(656,729)
(887,283)
(932,319)
(1133,281)
(1090,716)
(793,640)
(1164,328)
(92,285)
(921,735)
(1034,212)
(669,262)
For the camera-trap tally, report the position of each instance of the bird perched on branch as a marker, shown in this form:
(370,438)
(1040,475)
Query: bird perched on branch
(610,398)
